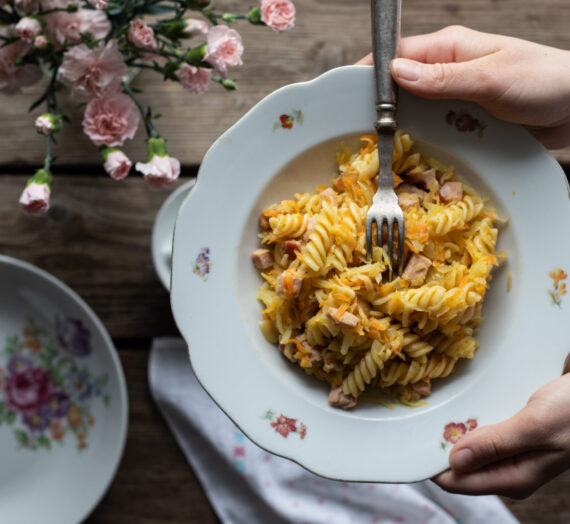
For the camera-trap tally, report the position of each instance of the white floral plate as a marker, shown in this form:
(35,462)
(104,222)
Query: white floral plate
(524,337)
(164,228)
(63,400)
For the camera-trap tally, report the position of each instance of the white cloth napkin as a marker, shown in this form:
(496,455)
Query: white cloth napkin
(247,485)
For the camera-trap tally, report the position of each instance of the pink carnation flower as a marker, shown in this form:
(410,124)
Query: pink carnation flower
(142,35)
(195,79)
(62,26)
(278,14)
(28,28)
(111,120)
(117,164)
(26,6)
(224,48)
(93,72)
(13,77)
(194,27)
(35,199)
(44,125)
(161,170)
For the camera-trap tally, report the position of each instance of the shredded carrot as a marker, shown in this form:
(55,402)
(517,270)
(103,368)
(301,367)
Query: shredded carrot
(377,324)
(341,298)
(297,343)
(341,310)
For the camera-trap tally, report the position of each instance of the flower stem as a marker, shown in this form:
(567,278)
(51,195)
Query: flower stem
(48,158)
(146,116)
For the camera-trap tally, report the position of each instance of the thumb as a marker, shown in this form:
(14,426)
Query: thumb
(464,80)
(486,445)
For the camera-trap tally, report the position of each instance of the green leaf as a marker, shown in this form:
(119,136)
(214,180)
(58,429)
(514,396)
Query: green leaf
(106,400)
(10,417)
(300,117)
(276,126)
(44,442)
(21,437)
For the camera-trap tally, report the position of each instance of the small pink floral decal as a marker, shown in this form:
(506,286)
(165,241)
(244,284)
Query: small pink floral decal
(465,123)
(202,264)
(453,431)
(558,287)
(285,425)
(286,121)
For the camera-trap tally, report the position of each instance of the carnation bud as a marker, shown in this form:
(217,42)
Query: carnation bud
(35,197)
(161,170)
(254,16)
(230,85)
(195,55)
(41,43)
(117,164)
(48,123)
(229,17)
(194,27)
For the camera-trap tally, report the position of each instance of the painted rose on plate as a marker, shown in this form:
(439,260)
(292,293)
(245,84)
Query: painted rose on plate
(47,391)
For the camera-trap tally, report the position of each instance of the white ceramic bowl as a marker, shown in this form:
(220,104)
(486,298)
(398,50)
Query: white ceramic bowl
(524,337)
(63,402)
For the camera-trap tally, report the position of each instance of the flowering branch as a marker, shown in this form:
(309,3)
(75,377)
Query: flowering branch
(88,45)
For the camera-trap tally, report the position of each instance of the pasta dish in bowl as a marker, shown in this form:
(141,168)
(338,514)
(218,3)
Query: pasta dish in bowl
(289,183)
(329,308)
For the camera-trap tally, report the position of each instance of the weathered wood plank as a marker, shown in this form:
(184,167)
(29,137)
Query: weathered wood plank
(329,33)
(155,484)
(96,238)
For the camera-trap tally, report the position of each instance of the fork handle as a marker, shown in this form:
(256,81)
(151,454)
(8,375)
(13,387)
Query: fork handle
(385,36)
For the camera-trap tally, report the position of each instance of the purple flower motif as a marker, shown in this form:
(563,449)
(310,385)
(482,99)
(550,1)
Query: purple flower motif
(37,421)
(57,406)
(202,264)
(73,336)
(17,364)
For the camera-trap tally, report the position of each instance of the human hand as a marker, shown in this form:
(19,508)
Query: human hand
(517,456)
(514,80)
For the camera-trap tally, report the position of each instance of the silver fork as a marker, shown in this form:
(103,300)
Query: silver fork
(385,208)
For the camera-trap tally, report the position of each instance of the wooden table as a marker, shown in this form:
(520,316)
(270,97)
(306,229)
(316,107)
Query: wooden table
(96,237)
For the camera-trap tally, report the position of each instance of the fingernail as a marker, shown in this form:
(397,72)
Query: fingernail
(461,460)
(406,69)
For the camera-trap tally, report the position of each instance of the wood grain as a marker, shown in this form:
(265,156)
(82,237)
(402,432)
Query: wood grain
(96,238)
(329,33)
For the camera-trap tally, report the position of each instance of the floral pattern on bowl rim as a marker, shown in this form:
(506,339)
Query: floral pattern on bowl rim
(453,431)
(202,264)
(286,121)
(285,425)
(46,391)
(464,122)
(558,286)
